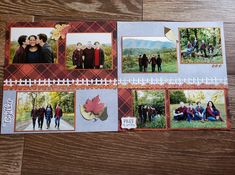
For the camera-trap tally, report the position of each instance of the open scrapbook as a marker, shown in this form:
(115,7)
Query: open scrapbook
(114,76)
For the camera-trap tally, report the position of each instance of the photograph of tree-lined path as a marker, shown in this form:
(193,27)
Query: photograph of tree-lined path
(134,49)
(149,108)
(39,101)
(192,97)
(201,45)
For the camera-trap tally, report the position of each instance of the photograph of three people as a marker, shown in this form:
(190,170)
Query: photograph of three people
(83,50)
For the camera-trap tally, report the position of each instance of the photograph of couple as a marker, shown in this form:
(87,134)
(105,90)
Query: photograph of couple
(32,45)
(148,54)
(201,45)
(45,111)
(89,51)
(197,109)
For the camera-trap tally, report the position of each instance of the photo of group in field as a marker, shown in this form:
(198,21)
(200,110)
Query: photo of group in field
(198,109)
(29,45)
(148,55)
(89,51)
(149,108)
(45,111)
(201,45)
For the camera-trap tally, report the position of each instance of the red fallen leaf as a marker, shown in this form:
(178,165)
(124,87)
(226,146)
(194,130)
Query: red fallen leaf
(94,105)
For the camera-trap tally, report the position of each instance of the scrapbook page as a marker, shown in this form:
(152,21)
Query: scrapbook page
(114,76)
(173,76)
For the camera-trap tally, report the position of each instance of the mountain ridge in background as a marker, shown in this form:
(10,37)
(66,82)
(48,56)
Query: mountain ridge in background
(138,43)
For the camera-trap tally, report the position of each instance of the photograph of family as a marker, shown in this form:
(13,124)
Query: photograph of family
(201,45)
(148,55)
(198,109)
(89,51)
(45,111)
(29,45)
(149,108)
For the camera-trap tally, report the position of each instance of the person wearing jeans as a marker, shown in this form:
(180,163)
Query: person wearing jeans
(48,115)
(58,115)
(212,113)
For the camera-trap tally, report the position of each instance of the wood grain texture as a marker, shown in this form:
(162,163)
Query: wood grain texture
(197,10)
(171,152)
(74,10)
(134,153)
(11,154)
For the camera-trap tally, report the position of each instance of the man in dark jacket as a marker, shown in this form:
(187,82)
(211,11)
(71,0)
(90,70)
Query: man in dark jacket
(153,60)
(46,50)
(34,116)
(140,63)
(20,53)
(41,114)
(88,53)
(159,63)
(181,112)
(98,56)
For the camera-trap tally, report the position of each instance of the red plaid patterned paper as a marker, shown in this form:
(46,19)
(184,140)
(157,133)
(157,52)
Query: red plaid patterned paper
(58,71)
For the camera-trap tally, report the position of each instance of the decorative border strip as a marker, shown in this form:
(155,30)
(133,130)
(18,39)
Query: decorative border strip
(122,82)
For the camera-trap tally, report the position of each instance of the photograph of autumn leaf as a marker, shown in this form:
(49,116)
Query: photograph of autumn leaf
(97,110)
(198,109)
(93,109)
(45,111)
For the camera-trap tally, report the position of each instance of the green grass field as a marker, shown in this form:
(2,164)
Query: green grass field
(199,124)
(69,117)
(201,59)
(212,60)
(130,65)
(159,122)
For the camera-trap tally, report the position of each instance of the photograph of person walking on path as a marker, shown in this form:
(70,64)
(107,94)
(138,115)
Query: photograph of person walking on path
(45,111)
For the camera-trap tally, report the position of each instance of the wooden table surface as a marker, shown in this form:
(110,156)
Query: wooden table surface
(164,152)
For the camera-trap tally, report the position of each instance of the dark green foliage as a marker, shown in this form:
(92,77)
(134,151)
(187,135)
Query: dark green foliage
(211,36)
(177,96)
(153,98)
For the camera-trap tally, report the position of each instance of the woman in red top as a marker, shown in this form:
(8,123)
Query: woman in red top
(98,56)
(58,115)
(212,114)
